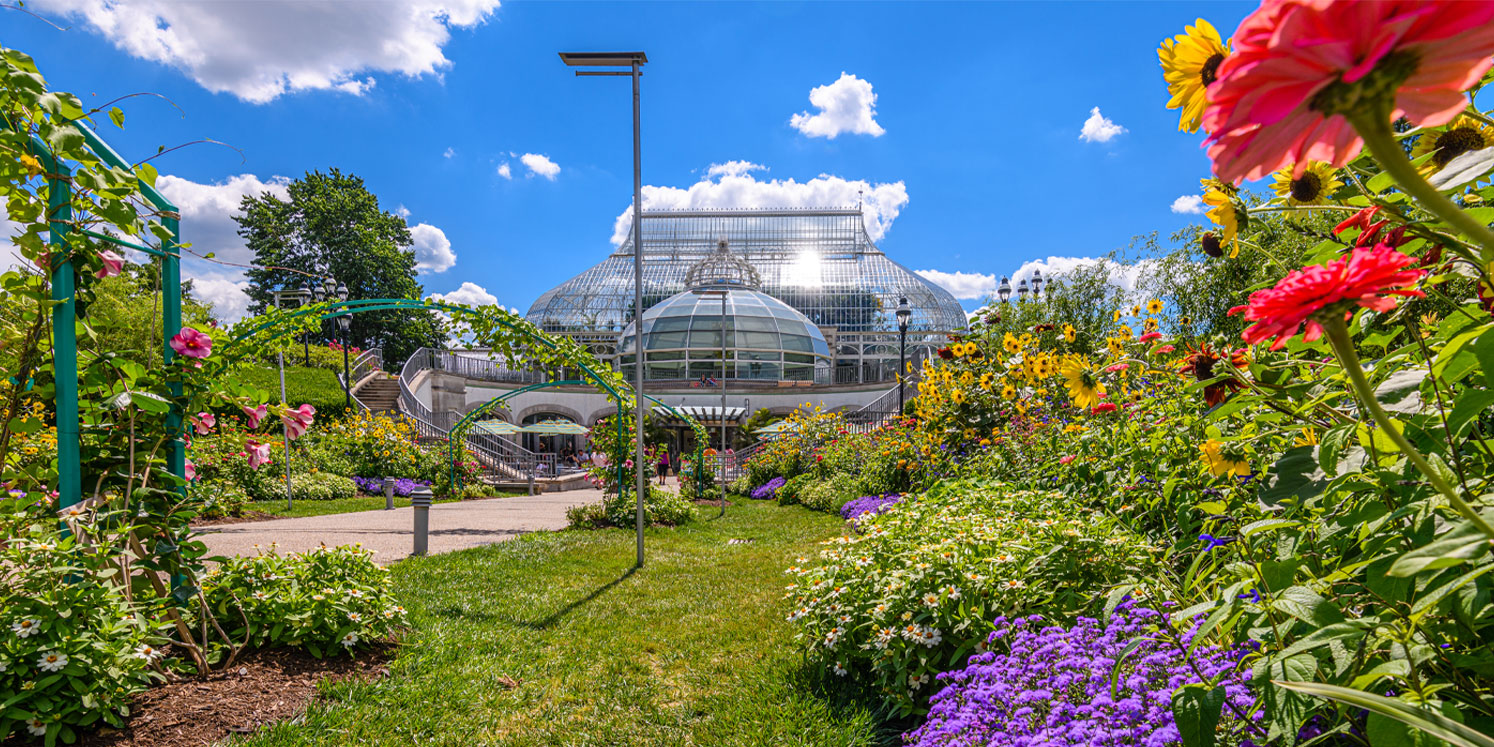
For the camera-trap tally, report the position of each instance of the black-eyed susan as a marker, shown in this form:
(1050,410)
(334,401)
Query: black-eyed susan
(1125,332)
(1116,346)
(1229,215)
(1010,343)
(1190,62)
(1008,391)
(1154,306)
(1463,135)
(1069,333)
(1315,187)
(1116,316)
(1225,459)
(1083,383)
(1136,309)
(1150,325)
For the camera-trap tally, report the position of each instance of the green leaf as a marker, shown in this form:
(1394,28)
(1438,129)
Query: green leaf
(1466,407)
(1265,525)
(1483,347)
(1306,605)
(1295,475)
(1195,709)
(1430,722)
(1402,391)
(116,115)
(1331,447)
(1462,543)
(1430,600)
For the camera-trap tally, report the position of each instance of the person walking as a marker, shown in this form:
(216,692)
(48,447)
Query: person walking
(663,465)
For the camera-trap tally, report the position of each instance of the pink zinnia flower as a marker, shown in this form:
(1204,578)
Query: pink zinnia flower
(113,264)
(255,415)
(191,343)
(1148,337)
(191,471)
(203,423)
(259,454)
(1102,408)
(298,420)
(1066,459)
(1166,349)
(1272,106)
(1117,367)
(1365,278)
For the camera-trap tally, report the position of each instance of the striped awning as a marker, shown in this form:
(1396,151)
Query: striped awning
(703,414)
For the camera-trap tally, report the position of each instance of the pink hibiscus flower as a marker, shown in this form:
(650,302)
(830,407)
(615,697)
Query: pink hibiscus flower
(1367,278)
(191,471)
(259,454)
(203,423)
(113,264)
(298,420)
(255,415)
(1280,97)
(191,343)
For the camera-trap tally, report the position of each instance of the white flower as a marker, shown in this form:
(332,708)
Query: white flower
(350,640)
(839,670)
(1013,584)
(147,652)
(25,628)
(35,727)
(884,637)
(355,617)
(916,681)
(355,593)
(51,661)
(931,600)
(953,592)
(317,597)
(261,596)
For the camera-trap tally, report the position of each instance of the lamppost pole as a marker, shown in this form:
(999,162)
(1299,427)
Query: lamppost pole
(634,61)
(904,313)
(721,458)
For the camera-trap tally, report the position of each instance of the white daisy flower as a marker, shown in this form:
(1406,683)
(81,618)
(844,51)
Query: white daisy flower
(51,661)
(839,670)
(36,727)
(147,652)
(350,640)
(355,617)
(25,628)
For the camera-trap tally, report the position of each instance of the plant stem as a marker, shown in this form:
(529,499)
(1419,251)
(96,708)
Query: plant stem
(1375,130)
(1343,347)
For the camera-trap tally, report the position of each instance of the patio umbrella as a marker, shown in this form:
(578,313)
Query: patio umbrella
(778,427)
(497,428)
(556,428)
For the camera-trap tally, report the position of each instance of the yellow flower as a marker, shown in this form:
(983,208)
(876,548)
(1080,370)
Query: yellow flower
(1011,344)
(1228,216)
(1220,462)
(1190,62)
(1116,316)
(1315,187)
(1150,325)
(986,380)
(1069,333)
(1116,346)
(31,164)
(1462,135)
(1073,428)
(1154,306)
(957,396)
(1084,385)
(1008,391)
(1309,437)
(1125,332)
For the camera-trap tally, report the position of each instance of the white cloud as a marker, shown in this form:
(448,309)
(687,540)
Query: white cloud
(470,294)
(227,291)
(880,203)
(1188,204)
(847,105)
(261,50)
(965,286)
(538,164)
(449,153)
(1099,129)
(733,168)
(432,249)
(402,211)
(1123,276)
(504,171)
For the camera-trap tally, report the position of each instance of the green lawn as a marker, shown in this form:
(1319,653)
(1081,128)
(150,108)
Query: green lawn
(339,506)
(691,650)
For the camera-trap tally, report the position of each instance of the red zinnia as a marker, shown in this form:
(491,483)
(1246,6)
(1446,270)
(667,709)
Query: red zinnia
(1103,407)
(1148,337)
(1365,278)
(1280,96)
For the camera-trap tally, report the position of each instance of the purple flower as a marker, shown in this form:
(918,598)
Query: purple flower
(1213,541)
(768,490)
(403,486)
(868,505)
(1053,686)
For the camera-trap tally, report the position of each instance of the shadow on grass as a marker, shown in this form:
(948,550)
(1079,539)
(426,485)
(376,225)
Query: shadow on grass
(845,698)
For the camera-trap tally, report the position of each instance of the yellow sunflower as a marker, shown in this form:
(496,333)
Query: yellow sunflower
(1228,216)
(1315,187)
(1462,135)
(1116,346)
(1124,332)
(1189,64)
(1069,333)
(1008,392)
(986,380)
(1116,316)
(1222,460)
(1010,344)
(1154,306)
(1084,384)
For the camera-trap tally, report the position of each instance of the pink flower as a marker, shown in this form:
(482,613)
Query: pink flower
(191,343)
(1066,459)
(255,415)
(113,263)
(203,423)
(1148,337)
(191,471)
(1166,349)
(1117,367)
(259,454)
(1280,97)
(1365,278)
(1102,408)
(298,420)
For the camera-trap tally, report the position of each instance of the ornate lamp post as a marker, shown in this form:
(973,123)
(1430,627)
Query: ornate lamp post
(1005,291)
(904,314)
(1022,291)
(1037,284)
(330,289)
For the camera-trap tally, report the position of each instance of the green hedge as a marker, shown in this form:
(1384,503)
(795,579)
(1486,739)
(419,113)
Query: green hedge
(316,386)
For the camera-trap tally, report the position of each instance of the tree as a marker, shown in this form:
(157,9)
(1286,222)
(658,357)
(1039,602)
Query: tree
(332,225)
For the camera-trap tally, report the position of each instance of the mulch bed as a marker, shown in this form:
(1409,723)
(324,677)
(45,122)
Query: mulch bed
(247,517)
(262,688)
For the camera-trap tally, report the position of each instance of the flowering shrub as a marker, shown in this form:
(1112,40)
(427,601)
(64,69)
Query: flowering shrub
(403,486)
(868,505)
(1089,685)
(768,490)
(830,493)
(661,507)
(913,592)
(326,600)
(72,649)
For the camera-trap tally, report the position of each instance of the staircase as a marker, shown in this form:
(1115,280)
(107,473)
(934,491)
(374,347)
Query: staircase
(380,394)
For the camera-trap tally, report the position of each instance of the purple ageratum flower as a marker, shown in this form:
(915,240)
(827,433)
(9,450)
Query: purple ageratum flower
(769,490)
(403,486)
(868,505)
(1052,687)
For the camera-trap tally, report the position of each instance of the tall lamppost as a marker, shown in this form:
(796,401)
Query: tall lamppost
(300,295)
(721,457)
(634,61)
(330,289)
(904,313)
(1022,291)
(1037,284)
(1005,291)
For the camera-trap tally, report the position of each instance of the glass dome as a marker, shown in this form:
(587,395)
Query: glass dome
(766,339)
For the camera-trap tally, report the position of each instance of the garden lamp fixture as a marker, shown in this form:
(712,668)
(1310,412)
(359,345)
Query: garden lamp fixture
(632,64)
(1022,291)
(1005,291)
(904,314)
(1037,283)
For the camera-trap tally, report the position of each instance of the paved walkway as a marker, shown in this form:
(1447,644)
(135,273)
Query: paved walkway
(454,526)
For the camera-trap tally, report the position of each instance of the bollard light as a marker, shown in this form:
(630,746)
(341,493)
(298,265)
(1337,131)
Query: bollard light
(388,494)
(420,500)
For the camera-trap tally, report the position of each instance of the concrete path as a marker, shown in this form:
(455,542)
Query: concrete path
(454,526)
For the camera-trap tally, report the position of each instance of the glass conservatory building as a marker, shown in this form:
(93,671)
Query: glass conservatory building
(809,297)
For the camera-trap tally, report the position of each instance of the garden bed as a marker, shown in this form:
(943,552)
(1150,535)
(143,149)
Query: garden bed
(263,688)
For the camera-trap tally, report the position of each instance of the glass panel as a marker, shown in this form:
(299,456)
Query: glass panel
(768,340)
(664,371)
(666,340)
(767,371)
(796,342)
(699,339)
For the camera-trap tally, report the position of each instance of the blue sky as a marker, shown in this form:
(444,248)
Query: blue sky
(979,107)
